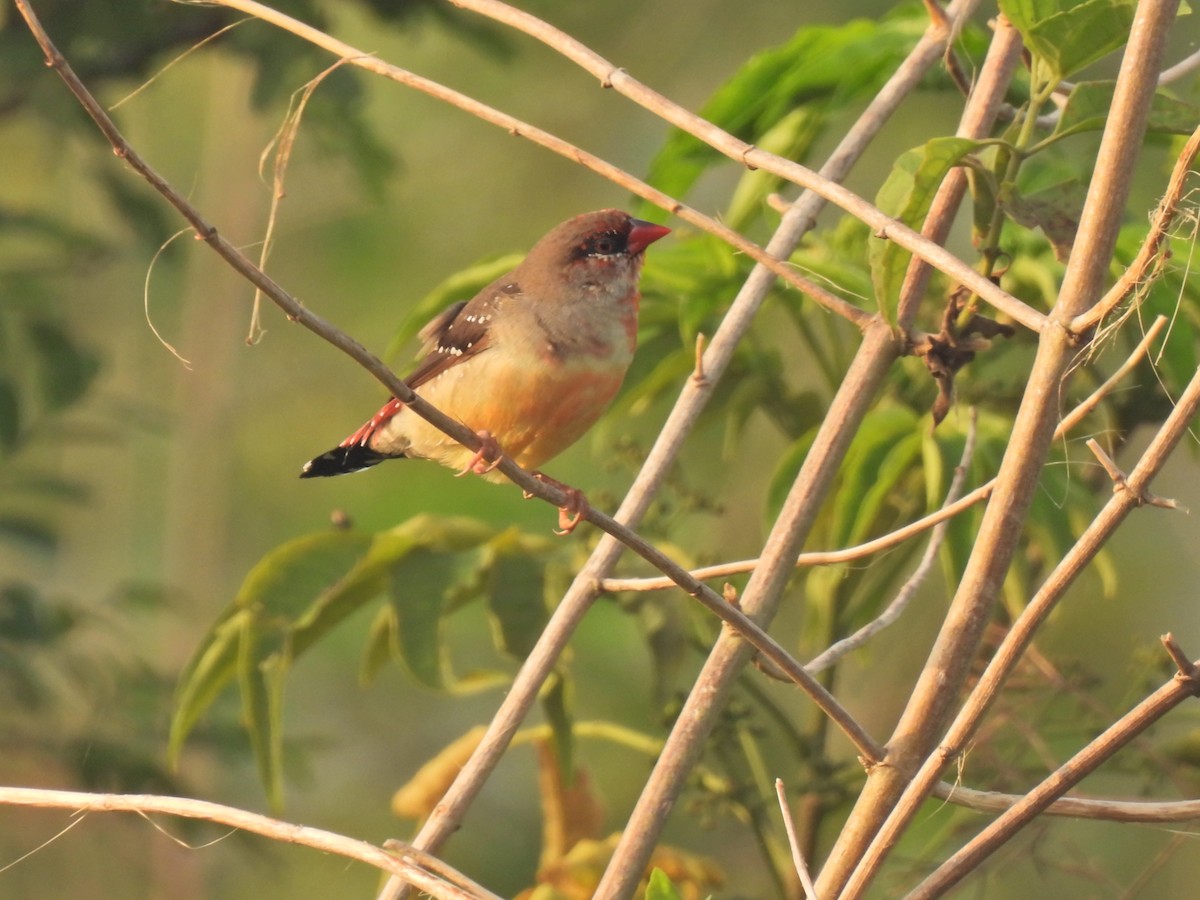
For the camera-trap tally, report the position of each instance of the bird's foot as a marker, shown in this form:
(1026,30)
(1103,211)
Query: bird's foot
(486,458)
(570,515)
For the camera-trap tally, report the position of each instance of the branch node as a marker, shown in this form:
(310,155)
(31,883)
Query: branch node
(698,375)
(749,148)
(730,594)
(1187,668)
(607,81)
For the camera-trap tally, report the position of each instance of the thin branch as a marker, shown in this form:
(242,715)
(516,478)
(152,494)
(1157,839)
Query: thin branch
(816,557)
(430,875)
(1151,257)
(789,826)
(908,590)
(518,128)
(1143,812)
(1184,67)
(1181,687)
(887,228)
(1020,635)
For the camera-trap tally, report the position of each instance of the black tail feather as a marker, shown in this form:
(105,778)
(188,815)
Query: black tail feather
(342,461)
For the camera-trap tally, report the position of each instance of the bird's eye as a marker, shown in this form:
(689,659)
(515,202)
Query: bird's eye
(606,245)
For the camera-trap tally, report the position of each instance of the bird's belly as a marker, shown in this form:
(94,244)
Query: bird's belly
(534,412)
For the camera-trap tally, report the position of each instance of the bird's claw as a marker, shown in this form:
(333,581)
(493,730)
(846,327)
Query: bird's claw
(486,458)
(570,515)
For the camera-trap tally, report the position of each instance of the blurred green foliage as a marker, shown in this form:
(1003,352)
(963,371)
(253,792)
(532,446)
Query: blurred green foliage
(457,601)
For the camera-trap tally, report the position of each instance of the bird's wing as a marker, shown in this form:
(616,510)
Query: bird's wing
(455,335)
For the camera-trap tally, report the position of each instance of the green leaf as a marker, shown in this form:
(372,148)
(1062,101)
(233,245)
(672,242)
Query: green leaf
(885,449)
(417,591)
(821,69)
(1089,102)
(1055,210)
(383,643)
(660,887)
(33,533)
(376,571)
(514,596)
(1068,35)
(272,594)
(257,713)
(210,669)
(907,195)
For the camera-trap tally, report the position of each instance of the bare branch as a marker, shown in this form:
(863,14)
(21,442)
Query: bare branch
(429,874)
(1181,69)
(816,557)
(1180,688)
(789,827)
(1145,812)
(1011,649)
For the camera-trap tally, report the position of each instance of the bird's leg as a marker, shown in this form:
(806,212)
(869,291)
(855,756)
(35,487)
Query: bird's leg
(571,515)
(486,458)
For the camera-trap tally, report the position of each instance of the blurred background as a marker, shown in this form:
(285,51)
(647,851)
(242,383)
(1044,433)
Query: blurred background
(138,491)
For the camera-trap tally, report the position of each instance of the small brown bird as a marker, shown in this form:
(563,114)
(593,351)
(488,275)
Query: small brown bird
(530,363)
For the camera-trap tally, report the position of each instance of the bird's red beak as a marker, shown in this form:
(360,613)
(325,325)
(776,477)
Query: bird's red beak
(643,234)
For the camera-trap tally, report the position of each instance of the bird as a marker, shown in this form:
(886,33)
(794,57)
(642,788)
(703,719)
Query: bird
(529,363)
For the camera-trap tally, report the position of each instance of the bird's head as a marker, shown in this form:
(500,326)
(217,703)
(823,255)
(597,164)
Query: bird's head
(597,251)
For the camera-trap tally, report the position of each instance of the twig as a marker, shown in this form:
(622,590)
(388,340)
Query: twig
(518,128)
(1185,66)
(1145,812)
(909,589)
(623,83)
(816,557)
(1182,663)
(1011,649)
(698,369)
(1121,483)
(789,826)
(430,875)
(1180,688)
(1151,257)
(282,143)
(1113,470)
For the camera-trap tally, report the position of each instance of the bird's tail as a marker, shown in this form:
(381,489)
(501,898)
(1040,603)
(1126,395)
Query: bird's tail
(342,461)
